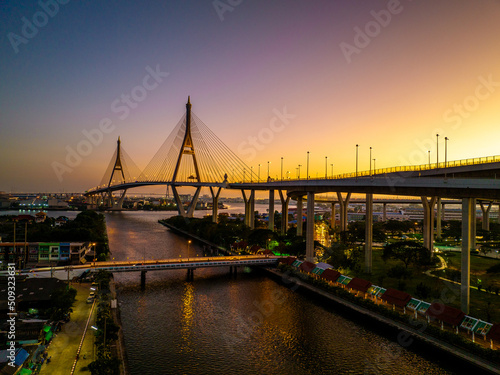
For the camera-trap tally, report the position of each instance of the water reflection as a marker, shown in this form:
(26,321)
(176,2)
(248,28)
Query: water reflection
(218,324)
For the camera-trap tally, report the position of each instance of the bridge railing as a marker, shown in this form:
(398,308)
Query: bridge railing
(379,171)
(408,168)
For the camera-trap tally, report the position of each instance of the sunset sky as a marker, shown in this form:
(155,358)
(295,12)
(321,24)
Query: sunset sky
(296,76)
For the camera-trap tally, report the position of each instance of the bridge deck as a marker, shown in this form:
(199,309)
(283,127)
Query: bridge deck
(162,264)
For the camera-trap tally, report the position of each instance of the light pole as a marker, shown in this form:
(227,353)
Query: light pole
(437,150)
(429,153)
(251,174)
(445,155)
(258,177)
(300,165)
(326,167)
(282,168)
(332,169)
(268,162)
(307,176)
(357,146)
(370,161)
(446,139)
(189,243)
(374,169)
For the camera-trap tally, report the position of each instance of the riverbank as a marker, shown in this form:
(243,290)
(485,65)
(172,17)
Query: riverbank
(199,239)
(120,343)
(404,335)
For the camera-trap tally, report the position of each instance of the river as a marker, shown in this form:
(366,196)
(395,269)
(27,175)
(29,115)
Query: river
(248,324)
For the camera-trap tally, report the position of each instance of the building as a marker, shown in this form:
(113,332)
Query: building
(33,254)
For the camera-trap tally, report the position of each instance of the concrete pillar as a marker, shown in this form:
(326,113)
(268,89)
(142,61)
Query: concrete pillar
(310,228)
(271,210)
(215,204)
(473,223)
(252,209)
(284,211)
(332,219)
(467,207)
(384,212)
(246,200)
(180,207)
(438,218)
(299,216)
(486,215)
(368,233)
(119,204)
(428,229)
(343,210)
(192,205)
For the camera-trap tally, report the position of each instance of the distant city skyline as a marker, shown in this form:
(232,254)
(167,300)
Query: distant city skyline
(271,80)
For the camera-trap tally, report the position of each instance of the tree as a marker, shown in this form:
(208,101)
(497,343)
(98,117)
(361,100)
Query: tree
(408,252)
(343,256)
(61,302)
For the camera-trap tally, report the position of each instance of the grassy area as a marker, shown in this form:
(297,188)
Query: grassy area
(483,305)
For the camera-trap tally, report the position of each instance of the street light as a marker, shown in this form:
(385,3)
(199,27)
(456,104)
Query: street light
(326,167)
(374,169)
(429,153)
(282,168)
(332,169)
(189,243)
(437,150)
(357,146)
(251,174)
(307,176)
(258,177)
(370,161)
(445,155)
(300,165)
(268,162)
(446,139)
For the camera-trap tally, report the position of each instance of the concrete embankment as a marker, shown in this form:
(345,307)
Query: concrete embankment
(405,336)
(120,343)
(199,239)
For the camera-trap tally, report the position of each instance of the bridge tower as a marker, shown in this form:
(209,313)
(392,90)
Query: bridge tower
(187,148)
(118,166)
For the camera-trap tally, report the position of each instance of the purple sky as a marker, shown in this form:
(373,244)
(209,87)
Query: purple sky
(382,74)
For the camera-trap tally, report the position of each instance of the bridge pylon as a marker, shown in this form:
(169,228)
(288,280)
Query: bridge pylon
(187,148)
(118,163)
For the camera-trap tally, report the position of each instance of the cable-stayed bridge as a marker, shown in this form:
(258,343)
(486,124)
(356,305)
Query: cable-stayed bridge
(194,156)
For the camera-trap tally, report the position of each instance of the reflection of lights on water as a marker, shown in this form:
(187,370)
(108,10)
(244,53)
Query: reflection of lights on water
(187,314)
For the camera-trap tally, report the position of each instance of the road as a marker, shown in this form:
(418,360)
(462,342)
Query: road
(64,345)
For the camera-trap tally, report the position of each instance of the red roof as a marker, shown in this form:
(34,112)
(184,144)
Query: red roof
(254,249)
(494,333)
(24,217)
(396,297)
(307,266)
(330,274)
(445,313)
(288,260)
(359,284)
